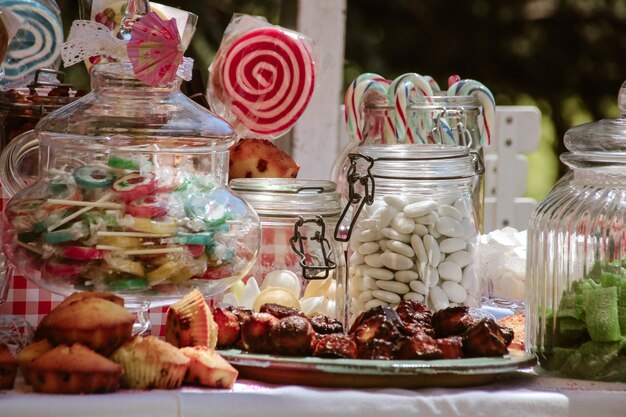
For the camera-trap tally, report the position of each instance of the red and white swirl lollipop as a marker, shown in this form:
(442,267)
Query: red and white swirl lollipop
(267,78)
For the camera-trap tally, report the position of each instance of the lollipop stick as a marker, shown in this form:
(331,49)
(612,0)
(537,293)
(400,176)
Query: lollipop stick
(85,203)
(134,234)
(74,215)
(29,247)
(140,251)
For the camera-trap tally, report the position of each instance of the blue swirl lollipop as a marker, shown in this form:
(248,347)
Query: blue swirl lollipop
(37,42)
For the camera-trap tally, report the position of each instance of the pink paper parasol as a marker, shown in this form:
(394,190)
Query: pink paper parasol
(155,49)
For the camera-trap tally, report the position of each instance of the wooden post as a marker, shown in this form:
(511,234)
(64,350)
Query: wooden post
(315,136)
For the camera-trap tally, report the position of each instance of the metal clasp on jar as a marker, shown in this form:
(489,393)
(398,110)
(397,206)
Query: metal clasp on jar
(447,134)
(354,197)
(313,271)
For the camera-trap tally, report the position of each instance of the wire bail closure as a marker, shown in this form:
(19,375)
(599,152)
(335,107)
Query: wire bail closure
(479,164)
(368,184)
(463,137)
(310,271)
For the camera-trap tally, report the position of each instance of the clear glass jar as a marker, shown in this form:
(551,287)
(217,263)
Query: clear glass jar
(132,197)
(414,232)
(22,108)
(19,163)
(444,120)
(576,286)
(298,251)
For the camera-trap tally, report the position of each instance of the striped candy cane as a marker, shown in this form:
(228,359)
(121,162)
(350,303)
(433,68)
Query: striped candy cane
(362,87)
(433,84)
(400,93)
(477,89)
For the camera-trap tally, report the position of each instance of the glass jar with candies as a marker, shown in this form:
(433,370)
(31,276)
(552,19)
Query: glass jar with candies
(379,112)
(300,264)
(414,231)
(576,270)
(22,108)
(132,197)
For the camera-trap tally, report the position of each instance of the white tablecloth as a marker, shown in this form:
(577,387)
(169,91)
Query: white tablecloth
(525,395)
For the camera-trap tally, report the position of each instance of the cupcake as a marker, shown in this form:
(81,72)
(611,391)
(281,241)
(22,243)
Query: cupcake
(150,363)
(73,369)
(97,323)
(208,368)
(8,367)
(190,322)
(31,352)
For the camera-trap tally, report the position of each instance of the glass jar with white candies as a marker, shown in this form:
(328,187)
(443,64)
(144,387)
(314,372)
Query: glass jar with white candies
(299,264)
(414,231)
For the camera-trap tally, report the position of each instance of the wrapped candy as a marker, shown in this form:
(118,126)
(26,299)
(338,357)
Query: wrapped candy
(262,77)
(37,42)
(503,263)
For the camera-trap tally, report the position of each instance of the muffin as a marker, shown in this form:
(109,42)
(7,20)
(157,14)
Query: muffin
(208,368)
(190,322)
(92,294)
(97,323)
(8,367)
(31,352)
(73,369)
(150,363)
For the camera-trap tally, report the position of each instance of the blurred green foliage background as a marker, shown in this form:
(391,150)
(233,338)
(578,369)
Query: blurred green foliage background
(566,57)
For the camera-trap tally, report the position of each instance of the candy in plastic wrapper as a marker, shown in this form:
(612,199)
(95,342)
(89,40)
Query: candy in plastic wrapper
(36,44)
(262,77)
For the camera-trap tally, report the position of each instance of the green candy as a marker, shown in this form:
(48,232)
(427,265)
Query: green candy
(72,233)
(93,177)
(195,238)
(121,163)
(59,187)
(97,217)
(602,314)
(128,284)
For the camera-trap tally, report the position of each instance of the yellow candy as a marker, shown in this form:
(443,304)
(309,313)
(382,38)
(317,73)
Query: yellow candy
(163,272)
(120,241)
(196,267)
(277,296)
(184,274)
(237,289)
(161,260)
(142,224)
(318,287)
(124,265)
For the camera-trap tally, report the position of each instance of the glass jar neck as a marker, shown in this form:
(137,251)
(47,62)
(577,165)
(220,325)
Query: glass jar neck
(431,187)
(290,198)
(426,122)
(119,79)
(613,177)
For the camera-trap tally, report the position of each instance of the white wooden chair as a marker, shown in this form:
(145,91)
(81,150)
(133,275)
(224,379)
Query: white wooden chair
(506,167)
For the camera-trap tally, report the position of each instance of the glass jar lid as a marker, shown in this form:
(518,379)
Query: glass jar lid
(607,136)
(422,162)
(123,112)
(287,197)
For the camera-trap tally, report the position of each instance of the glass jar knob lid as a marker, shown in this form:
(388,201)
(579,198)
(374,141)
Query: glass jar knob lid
(603,136)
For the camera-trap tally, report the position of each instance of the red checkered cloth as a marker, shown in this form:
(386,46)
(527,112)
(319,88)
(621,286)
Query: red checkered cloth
(275,251)
(31,302)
